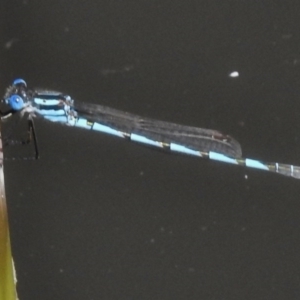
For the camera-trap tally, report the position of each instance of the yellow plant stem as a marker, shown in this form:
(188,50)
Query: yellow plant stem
(7,274)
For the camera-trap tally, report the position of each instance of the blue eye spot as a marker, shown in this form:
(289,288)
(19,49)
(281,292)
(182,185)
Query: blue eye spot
(20,81)
(16,102)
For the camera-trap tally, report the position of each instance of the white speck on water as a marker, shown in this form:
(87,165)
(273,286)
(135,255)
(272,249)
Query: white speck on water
(234,74)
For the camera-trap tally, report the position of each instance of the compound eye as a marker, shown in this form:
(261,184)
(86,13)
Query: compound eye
(15,102)
(20,81)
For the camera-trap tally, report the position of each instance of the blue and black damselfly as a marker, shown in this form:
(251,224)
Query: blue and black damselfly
(199,142)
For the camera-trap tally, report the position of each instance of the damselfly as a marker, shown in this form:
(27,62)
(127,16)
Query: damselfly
(199,142)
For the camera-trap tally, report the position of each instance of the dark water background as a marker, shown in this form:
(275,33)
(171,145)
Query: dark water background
(100,218)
